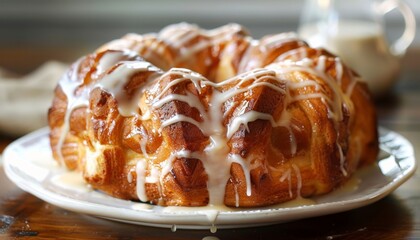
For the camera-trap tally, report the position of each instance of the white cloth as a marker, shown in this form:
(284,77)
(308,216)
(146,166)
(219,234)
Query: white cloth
(24,101)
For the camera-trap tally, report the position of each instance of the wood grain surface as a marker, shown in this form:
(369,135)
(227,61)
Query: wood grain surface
(397,216)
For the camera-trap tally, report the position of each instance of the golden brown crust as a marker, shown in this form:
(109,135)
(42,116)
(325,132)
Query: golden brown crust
(307,138)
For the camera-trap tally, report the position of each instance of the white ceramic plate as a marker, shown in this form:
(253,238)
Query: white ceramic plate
(29,164)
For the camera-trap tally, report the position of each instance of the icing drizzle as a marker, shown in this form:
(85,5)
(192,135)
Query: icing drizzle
(116,68)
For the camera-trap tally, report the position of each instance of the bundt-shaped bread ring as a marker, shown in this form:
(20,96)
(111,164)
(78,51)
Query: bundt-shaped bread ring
(190,117)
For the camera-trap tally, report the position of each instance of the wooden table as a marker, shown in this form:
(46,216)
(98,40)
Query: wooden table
(397,216)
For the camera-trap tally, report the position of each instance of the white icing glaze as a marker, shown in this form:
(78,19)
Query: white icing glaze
(210,238)
(141,180)
(72,181)
(153,176)
(68,84)
(109,59)
(342,160)
(112,83)
(180,37)
(244,119)
(211,212)
(299,180)
(245,168)
(338,70)
(281,38)
(235,188)
(143,141)
(216,166)
(288,175)
(115,82)
(213,228)
(130,177)
(334,105)
(216,158)
(216,153)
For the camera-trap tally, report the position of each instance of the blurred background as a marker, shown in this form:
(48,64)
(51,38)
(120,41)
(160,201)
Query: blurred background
(35,31)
